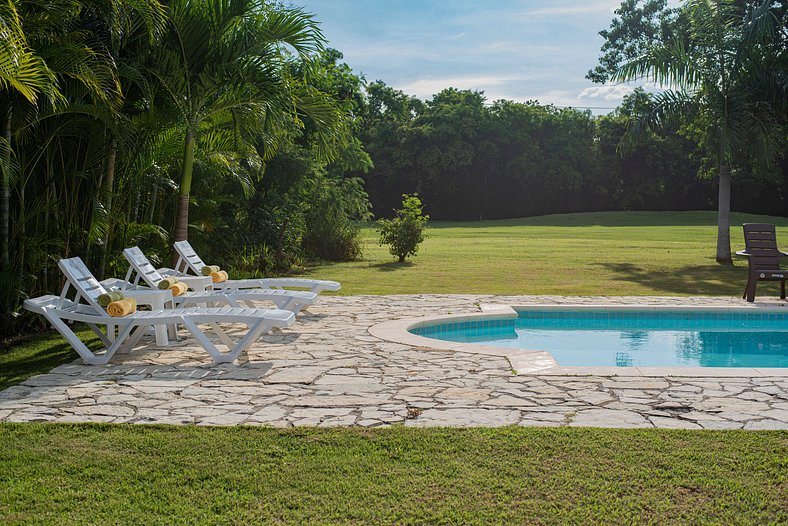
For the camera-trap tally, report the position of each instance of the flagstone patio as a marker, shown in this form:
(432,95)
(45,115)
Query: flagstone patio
(327,370)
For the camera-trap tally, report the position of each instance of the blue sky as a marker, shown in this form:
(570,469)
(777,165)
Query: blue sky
(519,50)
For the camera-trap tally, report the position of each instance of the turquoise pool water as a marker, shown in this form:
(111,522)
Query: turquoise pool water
(633,338)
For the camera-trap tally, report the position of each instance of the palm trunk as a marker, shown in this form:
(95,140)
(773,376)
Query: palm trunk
(724,215)
(109,188)
(5,200)
(182,214)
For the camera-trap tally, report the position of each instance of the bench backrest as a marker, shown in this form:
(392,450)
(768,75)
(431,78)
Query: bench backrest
(760,241)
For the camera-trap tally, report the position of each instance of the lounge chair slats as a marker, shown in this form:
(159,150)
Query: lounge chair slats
(59,309)
(188,260)
(140,267)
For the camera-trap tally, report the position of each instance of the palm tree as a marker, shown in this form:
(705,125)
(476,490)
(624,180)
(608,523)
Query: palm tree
(723,75)
(225,58)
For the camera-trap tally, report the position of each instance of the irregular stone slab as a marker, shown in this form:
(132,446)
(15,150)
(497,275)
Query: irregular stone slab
(465,417)
(294,375)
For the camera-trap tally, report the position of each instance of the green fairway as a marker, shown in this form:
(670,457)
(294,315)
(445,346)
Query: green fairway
(98,474)
(610,253)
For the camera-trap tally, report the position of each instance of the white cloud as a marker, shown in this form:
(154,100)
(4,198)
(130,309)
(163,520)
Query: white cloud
(607,92)
(615,92)
(574,8)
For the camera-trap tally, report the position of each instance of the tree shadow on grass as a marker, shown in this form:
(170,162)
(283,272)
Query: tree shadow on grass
(714,279)
(391,266)
(19,366)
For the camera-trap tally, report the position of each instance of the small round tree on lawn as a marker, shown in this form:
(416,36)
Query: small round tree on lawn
(406,230)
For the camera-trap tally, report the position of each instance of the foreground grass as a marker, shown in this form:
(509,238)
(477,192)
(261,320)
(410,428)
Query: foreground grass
(610,253)
(98,474)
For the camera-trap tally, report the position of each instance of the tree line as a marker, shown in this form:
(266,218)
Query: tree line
(470,159)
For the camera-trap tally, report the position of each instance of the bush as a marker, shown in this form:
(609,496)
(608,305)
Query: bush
(333,205)
(406,230)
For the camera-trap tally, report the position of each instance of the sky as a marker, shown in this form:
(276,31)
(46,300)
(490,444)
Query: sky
(510,49)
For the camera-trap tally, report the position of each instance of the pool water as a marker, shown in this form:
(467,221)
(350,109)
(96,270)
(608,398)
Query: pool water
(633,338)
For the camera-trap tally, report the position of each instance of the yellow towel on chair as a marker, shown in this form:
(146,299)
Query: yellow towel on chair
(207,270)
(120,308)
(108,297)
(219,276)
(167,282)
(179,288)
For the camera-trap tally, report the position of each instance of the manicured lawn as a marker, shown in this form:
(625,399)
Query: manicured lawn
(612,253)
(98,474)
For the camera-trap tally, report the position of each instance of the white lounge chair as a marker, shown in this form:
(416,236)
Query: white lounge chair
(141,268)
(188,260)
(59,310)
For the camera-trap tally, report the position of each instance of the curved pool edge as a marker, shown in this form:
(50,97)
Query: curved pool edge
(527,361)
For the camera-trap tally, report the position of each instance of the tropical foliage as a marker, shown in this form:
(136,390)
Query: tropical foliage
(117,115)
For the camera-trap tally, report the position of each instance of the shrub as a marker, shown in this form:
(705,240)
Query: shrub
(333,205)
(406,230)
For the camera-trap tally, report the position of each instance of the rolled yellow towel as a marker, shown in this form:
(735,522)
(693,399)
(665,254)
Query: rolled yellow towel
(108,297)
(219,276)
(121,308)
(167,282)
(179,288)
(207,270)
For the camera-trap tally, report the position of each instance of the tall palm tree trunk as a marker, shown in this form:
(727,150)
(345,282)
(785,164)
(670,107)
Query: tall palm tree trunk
(109,188)
(182,215)
(724,215)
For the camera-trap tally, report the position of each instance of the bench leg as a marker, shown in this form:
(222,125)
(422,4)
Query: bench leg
(749,292)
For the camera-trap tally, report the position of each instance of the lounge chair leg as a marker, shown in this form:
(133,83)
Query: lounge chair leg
(782,290)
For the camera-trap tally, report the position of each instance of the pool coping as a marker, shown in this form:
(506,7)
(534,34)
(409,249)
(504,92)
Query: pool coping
(530,362)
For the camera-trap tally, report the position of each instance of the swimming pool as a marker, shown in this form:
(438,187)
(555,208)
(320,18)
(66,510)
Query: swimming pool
(627,338)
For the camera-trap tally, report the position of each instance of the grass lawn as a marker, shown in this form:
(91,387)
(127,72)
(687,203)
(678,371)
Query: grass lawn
(99,474)
(609,253)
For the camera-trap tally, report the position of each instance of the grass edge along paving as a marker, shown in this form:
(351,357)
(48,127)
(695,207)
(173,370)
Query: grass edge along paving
(123,474)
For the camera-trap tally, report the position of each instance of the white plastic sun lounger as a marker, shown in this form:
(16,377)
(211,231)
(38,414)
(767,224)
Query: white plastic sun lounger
(188,260)
(59,310)
(141,268)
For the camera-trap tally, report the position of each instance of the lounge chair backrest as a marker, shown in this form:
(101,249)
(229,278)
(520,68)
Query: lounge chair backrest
(86,285)
(141,267)
(760,241)
(187,258)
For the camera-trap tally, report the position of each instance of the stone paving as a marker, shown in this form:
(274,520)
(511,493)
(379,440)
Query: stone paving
(327,370)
